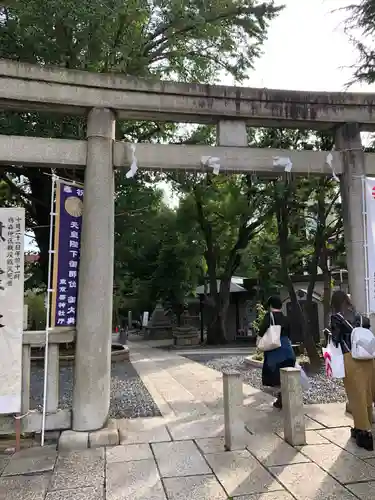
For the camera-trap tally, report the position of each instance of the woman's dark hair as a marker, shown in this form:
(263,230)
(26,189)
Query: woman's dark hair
(340,303)
(275,302)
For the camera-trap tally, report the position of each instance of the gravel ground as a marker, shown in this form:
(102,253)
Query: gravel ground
(129,396)
(322,390)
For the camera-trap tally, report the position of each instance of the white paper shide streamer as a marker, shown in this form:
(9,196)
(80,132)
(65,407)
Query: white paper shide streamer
(283,161)
(211,162)
(133,165)
(329,161)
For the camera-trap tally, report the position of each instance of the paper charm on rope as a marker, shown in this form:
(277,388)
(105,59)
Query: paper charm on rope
(329,161)
(133,165)
(211,162)
(283,161)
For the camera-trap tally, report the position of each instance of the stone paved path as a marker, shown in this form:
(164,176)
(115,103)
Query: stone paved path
(180,456)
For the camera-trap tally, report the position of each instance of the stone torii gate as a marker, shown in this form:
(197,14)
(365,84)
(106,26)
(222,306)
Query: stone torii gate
(103,98)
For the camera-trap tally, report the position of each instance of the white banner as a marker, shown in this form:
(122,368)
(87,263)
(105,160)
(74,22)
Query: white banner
(12,230)
(370,210)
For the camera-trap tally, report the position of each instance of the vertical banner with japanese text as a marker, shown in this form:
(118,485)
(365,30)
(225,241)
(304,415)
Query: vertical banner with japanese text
(370,210)
(67,242)
(12,231)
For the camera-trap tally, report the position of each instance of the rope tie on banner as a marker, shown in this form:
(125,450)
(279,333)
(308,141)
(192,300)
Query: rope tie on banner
(211,162)
(133,165)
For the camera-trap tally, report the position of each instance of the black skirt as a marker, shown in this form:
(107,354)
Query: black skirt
(271,378)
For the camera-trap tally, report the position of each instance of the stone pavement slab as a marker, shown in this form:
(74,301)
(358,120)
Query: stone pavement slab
(134,481)
(3,463)
(278,495)
(194,488)
(179,458)
(29,465)
(329,415)
(340,464)
(24,487)
(143,430)
(312,437)
(211,445)
(204,427)
(241,474)
(128,453)
(364,491)
(31,461)
(309,482)
(272,450)
(89,493)
(79,469)
(341,437)
(268,419)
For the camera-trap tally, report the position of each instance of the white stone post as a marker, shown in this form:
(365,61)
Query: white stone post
(292,398)
(130,320)
(92,373)
(233,411)
(348,142)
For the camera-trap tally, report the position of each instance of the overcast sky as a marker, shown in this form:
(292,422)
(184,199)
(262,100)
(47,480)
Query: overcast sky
(307,49)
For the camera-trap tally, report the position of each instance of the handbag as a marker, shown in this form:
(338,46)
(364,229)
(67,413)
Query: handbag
(334,361)
(271,339)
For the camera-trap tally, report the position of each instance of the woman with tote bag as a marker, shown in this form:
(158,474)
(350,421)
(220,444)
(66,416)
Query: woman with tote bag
(282,354)
(359,373)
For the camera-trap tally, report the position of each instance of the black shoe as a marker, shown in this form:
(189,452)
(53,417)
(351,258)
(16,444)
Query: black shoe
(278,404)
(364,440)
(353,433)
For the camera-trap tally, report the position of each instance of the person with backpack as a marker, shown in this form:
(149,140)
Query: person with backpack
(351,331)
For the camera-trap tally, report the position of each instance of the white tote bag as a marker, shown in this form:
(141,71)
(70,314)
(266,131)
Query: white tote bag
(271,339)
(334,361)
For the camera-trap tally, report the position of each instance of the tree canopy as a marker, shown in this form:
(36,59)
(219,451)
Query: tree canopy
(360,26)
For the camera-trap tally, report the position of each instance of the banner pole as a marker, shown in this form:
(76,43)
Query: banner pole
(48,308)
(365,245)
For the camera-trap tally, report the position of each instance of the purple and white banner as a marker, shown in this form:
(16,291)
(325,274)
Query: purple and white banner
(67,243)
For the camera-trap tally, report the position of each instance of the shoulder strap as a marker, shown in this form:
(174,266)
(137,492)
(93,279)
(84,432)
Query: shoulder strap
(272,318)
(346,321)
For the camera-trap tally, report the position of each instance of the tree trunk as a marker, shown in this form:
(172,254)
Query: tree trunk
(216,331)
(327,290)
(282,216)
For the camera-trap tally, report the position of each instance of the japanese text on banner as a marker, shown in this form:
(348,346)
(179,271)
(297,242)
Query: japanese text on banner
(12,229)
(69,205)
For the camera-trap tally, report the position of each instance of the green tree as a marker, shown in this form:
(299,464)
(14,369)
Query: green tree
(308,218)
(157,257)
(360,27)
(228,212)
(192,41)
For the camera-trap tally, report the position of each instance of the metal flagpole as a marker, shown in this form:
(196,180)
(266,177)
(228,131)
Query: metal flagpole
(48,306)
(365,245)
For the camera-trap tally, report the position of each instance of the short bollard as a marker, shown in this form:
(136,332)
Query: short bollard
(292,398)
(233,412)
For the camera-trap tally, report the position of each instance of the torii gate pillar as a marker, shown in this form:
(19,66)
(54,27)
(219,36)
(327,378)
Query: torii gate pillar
(92,371)
(348,142)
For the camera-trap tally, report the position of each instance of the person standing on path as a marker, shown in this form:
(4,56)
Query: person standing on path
(282,357)
(358,372)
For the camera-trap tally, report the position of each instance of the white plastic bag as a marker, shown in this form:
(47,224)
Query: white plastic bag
(334,361)
(363,343)
(305,382)
(271,339)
